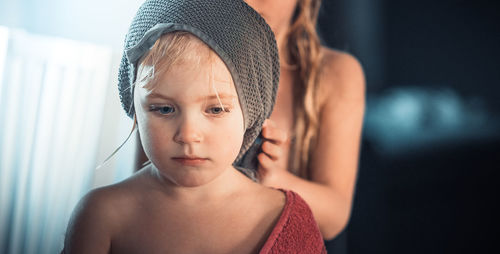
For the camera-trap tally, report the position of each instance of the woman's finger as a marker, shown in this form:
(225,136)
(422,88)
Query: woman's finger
(265,161)
(272,150)
(272,133)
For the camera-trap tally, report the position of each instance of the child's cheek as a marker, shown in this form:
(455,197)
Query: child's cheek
(153,136)
(230,137)
(158,131)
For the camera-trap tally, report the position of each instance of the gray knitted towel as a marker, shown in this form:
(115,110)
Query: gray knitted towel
(240,37)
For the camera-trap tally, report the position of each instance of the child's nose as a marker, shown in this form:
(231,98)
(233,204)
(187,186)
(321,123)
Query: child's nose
(189,131)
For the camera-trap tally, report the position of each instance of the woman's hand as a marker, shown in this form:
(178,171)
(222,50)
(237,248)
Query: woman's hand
(274,159)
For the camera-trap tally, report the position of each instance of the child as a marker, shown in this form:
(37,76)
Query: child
(199,77)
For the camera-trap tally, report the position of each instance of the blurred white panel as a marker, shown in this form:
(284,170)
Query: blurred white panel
(52,99)
(95,21)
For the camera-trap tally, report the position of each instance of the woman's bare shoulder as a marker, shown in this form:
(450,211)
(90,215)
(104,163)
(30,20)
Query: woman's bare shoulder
(341,75)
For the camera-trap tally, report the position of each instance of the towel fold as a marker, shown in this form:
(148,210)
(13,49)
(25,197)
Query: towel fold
(296,230)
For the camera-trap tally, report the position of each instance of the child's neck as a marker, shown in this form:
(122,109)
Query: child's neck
(221,188)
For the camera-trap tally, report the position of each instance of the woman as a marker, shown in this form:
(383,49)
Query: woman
(312,138)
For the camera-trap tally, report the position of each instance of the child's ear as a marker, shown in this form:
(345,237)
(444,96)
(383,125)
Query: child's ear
(135,126)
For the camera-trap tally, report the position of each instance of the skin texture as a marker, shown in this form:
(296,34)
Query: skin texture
(195,126)
(334,164)
(170,203)
(144,215)
(329,191)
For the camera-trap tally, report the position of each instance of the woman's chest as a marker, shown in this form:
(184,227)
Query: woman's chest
(283,113)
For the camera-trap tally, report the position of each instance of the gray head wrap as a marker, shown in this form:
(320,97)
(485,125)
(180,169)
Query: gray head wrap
(239,36)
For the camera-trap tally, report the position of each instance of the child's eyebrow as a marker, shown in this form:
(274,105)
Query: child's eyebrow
(222,96)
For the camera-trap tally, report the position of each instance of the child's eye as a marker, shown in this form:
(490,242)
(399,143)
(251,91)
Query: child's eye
(217,110)
(164,110)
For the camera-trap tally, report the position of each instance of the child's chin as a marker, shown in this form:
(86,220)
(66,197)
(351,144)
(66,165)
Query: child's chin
(194,180)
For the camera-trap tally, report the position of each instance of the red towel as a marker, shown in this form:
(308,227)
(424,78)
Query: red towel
(296,230)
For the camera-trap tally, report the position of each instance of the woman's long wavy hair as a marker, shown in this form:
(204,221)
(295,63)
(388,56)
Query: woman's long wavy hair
(304,51)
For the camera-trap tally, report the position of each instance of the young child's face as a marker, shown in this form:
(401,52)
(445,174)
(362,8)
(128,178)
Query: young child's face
(185,132)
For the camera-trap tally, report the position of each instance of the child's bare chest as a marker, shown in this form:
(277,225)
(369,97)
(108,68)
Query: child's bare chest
(194,232)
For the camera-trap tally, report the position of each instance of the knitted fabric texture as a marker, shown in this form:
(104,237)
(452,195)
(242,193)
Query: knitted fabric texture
(296,230)
(236,32)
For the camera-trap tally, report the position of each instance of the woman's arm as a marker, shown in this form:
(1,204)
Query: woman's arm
(334,161)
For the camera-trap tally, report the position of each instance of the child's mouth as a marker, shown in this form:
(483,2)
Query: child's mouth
(189,161)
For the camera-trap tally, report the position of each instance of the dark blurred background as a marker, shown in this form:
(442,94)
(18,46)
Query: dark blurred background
(428,172)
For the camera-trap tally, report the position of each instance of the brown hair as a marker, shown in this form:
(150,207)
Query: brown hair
(304,50)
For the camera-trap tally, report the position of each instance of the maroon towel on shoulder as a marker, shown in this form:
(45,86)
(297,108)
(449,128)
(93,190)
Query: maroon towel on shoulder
(296,230)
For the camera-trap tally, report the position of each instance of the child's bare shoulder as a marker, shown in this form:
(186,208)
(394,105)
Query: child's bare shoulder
(103,203)
(104,200)
(270,199)
(95,219)
(274,196)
